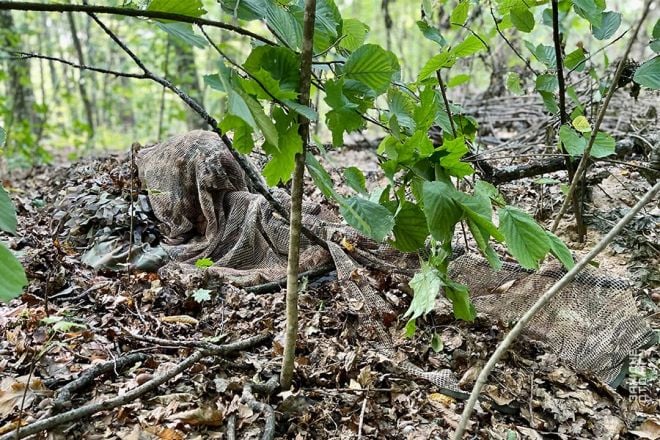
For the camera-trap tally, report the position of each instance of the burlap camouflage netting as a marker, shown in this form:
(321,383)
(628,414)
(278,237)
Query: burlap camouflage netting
(200,193)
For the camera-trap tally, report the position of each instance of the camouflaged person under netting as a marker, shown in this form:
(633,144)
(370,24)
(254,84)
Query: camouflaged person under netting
(200,193)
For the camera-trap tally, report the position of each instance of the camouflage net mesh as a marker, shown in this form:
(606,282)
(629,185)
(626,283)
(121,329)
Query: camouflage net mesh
(201,195)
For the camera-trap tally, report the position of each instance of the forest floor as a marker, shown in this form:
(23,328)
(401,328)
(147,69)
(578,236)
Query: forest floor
(73,318)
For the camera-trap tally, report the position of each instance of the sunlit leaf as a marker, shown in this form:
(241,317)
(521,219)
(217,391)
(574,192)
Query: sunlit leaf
(410,228)
(604,145)
(581,124)
(354,32)
(373,66)
(7,213)
(12,275)
(369,218)
(610,23)
(648,74)
(525,239)
(559,249)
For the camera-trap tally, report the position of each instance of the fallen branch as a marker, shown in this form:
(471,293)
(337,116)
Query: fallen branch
(157,15)
(129,396)
(540,303)
(63,396)
(278,284)
(269,425)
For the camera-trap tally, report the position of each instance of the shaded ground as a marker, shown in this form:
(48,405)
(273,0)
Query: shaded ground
(72,318)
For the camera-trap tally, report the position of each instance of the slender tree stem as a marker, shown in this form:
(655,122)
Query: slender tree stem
(540,303)
(157,15)
(599,120)
(570,166)
(295,222)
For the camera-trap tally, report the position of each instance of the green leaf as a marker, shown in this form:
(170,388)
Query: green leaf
(354,34)
(402,106)
(203,263)
(373,66)
(545,54)
(522,19)
(604,145)
(7,213)
(410,329)
(656,29)
(547,83)
(549,101)
(526,240)
(426,286)
(469,46)
(191,8)
(444,59)
(12,275)
(245,9)
(276,68)
(458,80)
(441,210)
(327,25)
(183,32)
(560,250)
(344,116)
(513,84)
(3,137)
(575,60)
(303,110)
(242,139)
(320,176)
(285,22)
(654,45)
(572,141)
(436,343)
(591,10)
(581,124)
(200,295)
(460,298)
(369,218)
(60,325)
(431,33)
(280,167)
(610,23)
(355,179)
(648,74)
(460,13)
(455,149)
(410,228)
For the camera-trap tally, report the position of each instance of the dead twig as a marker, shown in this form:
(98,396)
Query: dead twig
(129,396)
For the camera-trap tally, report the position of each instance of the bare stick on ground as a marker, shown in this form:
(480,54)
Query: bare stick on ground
(540,303)
(295,223)
(93,408)
(599,120)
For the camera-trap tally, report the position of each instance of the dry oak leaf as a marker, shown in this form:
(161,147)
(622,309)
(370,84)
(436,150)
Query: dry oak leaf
(13,389)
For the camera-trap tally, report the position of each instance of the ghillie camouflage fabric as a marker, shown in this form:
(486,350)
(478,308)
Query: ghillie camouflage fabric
(201,195)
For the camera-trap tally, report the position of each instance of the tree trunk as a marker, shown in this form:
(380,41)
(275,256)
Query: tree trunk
(82,79)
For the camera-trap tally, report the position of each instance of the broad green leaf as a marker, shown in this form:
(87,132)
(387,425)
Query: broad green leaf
(369,218)
(604,145)
(513,83)
(320,176)
(12,275)
(327,25)
(303,110)
(458,80)
(656,29)
(460,298)
(655,46)
(410,228)
(545,54)
(183,32)
(426,286)
(469,46)
(441,210)
(549,101)
(572,141)
(373,66)
(610,23)
(522,19)
(560,250)
(591,10)
(526,240)
(455,149)
(443,59)
(402,106)
(245,9)
(191,8)
(242,139)
(285,22)
(575,60)
(431,33)
(436,343)
(276,68)
(648,74)
(355,179)
(460,13)
(354,32)
(7,213)
(3,137)
(581,124)
(280,167)
(344,116)
(547,83)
